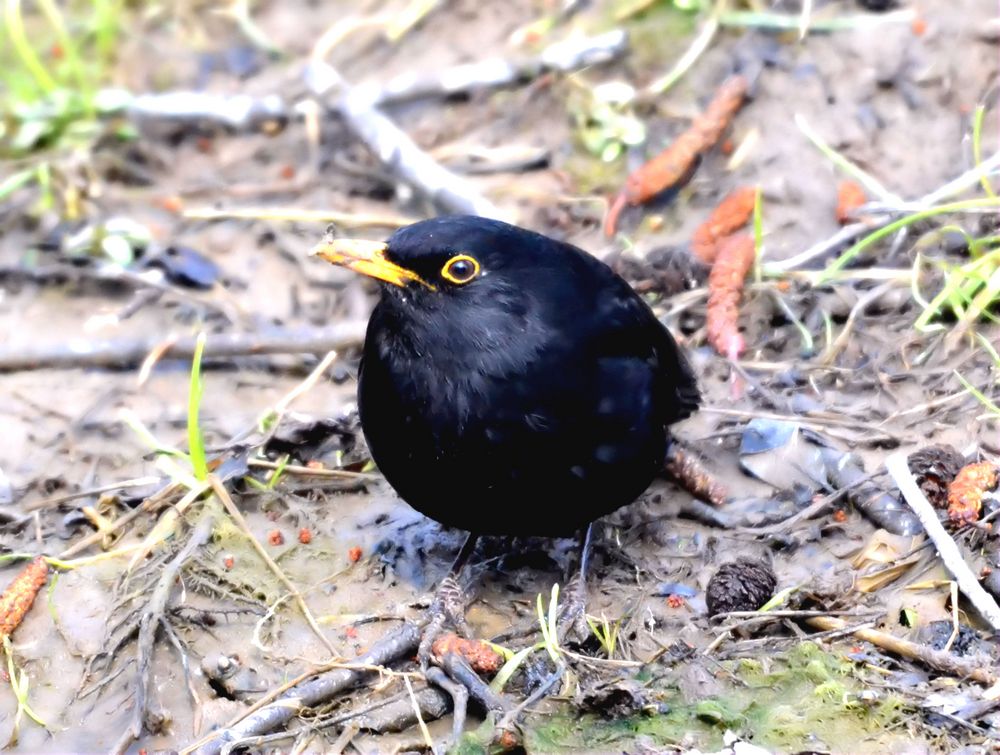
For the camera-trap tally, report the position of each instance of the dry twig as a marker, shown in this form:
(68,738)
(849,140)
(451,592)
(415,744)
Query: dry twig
(153,617)
(936,659)
(951,556)
(129,352)
(309,694)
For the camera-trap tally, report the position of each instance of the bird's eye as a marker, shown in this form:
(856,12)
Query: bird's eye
(460,269)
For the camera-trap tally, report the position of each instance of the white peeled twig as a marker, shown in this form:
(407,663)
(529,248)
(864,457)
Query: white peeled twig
(240,112)
(845,235)
(564,56)
(360,107)
(394,148)
(951,556)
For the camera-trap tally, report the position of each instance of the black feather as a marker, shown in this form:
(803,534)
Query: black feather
(531,400)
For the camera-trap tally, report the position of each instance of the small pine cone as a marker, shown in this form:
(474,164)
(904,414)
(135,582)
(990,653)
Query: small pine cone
(742,585)
(934,467)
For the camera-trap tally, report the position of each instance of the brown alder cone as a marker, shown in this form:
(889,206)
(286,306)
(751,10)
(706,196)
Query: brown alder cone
(20,594)
(674,164)
(725,287)
(731,214)
(965,494)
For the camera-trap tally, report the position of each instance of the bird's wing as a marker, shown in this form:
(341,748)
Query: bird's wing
(625,326)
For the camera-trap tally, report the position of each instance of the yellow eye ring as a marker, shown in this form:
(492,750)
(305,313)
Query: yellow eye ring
(460,269)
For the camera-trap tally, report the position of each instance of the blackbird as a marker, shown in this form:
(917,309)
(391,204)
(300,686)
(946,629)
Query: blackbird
(511,384)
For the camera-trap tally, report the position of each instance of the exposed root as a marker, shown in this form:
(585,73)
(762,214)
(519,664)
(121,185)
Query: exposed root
(571,626)
(459,669)
(153,618)
(314,692)
(459,694)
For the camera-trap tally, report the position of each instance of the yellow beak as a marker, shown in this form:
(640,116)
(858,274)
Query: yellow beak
(367,258)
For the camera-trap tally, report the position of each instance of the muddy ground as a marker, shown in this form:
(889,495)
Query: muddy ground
(895,98)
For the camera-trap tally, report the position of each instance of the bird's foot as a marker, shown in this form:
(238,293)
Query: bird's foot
(571,626)
(447,610)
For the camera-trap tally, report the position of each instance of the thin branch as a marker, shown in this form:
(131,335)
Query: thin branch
(394,148)
(950,554)
(401,642)
(128,352)
(936,659)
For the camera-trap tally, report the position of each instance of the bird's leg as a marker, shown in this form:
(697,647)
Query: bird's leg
(572,621)
(448,605)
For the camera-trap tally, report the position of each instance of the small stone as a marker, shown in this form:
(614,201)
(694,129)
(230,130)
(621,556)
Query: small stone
(877,5)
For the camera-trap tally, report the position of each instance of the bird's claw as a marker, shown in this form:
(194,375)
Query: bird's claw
(447,609)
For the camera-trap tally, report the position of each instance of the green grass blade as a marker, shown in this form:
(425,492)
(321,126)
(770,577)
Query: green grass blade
(977,147)
(758,234)
(875,236)
(694,51)
(14,182)
(14,22)
(512,665)
(990,349)
(981,397)
(872,184)
(196,441)
(70,53)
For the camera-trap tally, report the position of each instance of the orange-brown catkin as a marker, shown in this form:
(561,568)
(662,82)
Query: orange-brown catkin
(725,287)
(483,658)
(732,213)
(674,164)
(20,594)
(966,491)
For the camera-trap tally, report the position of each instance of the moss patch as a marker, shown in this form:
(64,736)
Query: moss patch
(803,699)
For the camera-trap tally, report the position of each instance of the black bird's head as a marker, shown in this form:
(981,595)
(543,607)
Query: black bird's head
(465,297)
(464,278)
(459,257)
